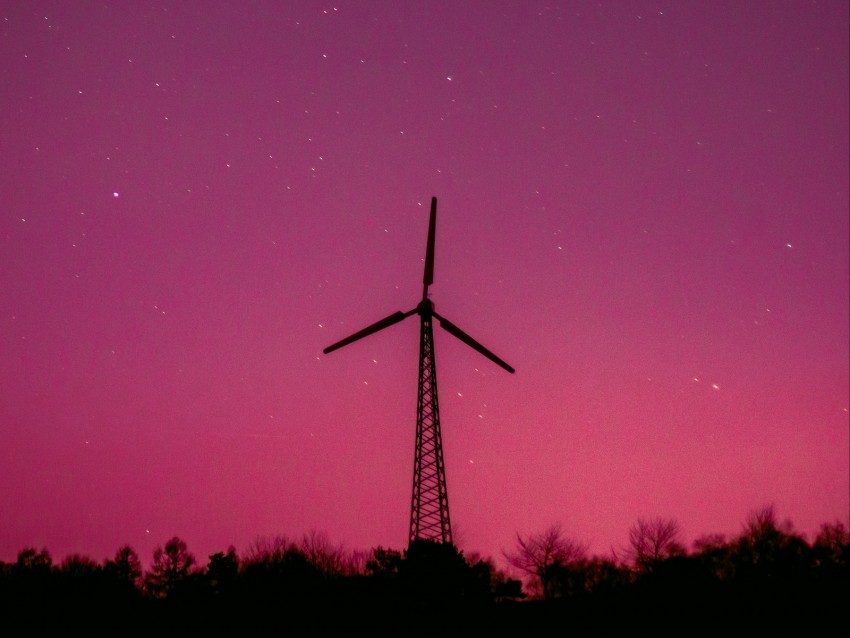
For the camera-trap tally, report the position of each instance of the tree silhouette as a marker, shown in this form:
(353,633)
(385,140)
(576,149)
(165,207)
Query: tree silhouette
(32,572)
(125,568)
(325,557)
(82,587)
(383,563)
(714,554)
(767,552)
(541,556)
(34,561)
(223,571)
(831,549)
(171,567)
(30,586)
(653,540)
(768,579)
(277,568)
(268,550)
(80,573)
(602,576)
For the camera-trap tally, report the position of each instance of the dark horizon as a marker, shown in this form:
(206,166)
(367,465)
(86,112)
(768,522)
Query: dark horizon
(618,553)
(766,581)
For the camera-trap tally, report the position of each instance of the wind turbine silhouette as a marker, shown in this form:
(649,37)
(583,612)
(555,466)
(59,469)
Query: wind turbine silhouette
(429,507)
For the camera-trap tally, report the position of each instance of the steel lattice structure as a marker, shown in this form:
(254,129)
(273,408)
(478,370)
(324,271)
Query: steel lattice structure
(429,507)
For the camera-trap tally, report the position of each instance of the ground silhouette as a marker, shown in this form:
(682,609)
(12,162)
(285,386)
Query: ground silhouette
(767,581)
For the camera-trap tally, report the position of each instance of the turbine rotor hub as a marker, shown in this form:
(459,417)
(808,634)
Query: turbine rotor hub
(425,308)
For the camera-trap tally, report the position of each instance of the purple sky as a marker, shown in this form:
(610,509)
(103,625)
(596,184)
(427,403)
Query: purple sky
(642,207)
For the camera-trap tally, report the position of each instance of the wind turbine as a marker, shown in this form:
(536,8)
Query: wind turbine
(429,507)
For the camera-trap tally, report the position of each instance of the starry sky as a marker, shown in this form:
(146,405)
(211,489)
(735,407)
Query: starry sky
(642,207)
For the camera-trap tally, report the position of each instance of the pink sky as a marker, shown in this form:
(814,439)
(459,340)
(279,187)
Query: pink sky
(643,208)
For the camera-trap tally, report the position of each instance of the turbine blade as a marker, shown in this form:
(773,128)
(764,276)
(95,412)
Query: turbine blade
(428,279)
(378,325)
(460,334)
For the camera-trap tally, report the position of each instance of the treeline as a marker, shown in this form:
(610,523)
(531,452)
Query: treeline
(768,580)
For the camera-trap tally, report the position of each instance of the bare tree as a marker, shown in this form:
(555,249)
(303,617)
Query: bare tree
(355,562)
(761,523)
(269,550)
(768,548)
(831,548)
(762,530)
(543,555)
(327,558)
(171,566)
(654,540)
(833,535)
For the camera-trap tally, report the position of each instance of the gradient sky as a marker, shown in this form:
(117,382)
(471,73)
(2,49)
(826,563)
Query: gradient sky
(642,207)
